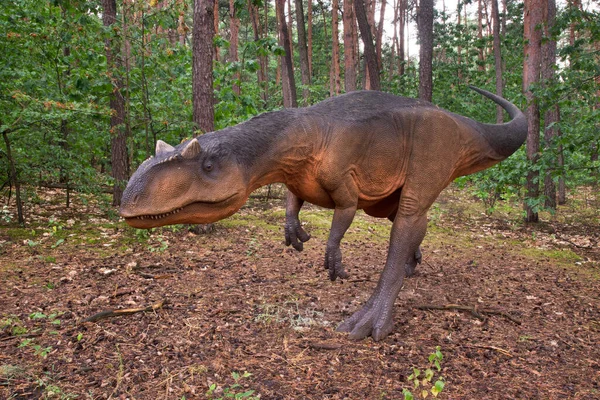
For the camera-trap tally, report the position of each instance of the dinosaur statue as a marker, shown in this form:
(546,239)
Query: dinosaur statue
(389,156)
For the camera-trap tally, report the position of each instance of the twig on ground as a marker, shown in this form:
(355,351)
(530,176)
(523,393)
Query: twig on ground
(475,312)
(126,311)
(488,347)
(28,336)
(322,346)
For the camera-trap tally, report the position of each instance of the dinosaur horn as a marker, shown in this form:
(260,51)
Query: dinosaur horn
(162,147)
(191,150)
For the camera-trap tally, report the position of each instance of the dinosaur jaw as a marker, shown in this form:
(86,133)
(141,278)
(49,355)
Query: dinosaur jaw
(199,212)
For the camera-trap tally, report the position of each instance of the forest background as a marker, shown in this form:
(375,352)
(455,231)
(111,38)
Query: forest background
(87,87)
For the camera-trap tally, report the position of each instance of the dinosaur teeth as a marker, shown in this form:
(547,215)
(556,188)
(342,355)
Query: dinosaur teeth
(159,216)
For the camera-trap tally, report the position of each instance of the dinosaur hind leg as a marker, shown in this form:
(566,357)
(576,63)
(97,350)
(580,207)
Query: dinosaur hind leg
(412,262)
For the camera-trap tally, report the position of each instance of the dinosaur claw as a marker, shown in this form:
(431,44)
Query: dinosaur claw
(373,319)
(333,263)
(295,235)
(411,264)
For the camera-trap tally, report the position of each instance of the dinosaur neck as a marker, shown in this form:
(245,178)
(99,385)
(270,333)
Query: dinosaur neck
(259,146)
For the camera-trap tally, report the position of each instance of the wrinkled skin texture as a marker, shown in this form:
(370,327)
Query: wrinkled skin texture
(389,156)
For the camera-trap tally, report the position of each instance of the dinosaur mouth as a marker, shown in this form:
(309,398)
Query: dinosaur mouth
(199,212)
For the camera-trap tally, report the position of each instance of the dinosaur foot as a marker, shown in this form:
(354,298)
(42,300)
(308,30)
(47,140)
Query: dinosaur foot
(333,263)
(295,235)
(373,319)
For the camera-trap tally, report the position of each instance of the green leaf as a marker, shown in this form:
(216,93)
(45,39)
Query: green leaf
(437,387)
(428,374)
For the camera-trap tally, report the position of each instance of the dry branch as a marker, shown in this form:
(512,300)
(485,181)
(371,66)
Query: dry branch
(126,311)
(474,311)
(488,347)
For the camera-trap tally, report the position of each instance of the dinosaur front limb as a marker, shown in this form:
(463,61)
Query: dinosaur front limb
(295,235)
(342,219)
(375,318)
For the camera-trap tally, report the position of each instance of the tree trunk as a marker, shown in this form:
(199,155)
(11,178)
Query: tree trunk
(551,117)
(402,6)
(503,17)
(118,142)
(303,50)
(202,70)
(480,47)
(425,25)
(533,19)
(459,7)
(14,178)
(367,37)
(290,26)
(234,29)
(287,70)
(379,38)
(310,36)
(349,50)
(216,27)
(497,58)
(334,81)
(261,74)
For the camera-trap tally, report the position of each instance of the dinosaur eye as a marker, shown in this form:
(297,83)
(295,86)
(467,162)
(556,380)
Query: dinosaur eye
(208,167)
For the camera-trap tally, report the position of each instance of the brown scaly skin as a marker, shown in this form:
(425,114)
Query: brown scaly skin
(390,156)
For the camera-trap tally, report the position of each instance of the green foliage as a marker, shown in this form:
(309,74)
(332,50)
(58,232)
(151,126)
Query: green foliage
(234,391)
(425,382)
(39,350)
(13,326)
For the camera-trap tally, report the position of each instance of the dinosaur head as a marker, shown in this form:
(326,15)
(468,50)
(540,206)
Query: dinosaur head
(184,184)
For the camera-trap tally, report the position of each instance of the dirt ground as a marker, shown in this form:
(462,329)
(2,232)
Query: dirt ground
(520,315)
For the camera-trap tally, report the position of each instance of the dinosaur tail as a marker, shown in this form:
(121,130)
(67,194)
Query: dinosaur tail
(505,138)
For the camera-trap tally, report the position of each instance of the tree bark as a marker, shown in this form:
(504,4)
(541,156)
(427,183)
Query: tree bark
(349,50)
(552,115)
(261,74)
(379,39)
(402,5)
(202,71)
(425,25)
(14,178)
(497,58)
(459,7)
(303,51)
(367,37)
(334,76)
(480,47)
(290,26)
(215,29)
(288,81)
(118,134)
(234,29)
(533,20)
(310,36)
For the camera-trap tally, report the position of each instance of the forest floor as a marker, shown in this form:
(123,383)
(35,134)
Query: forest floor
(236,300)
